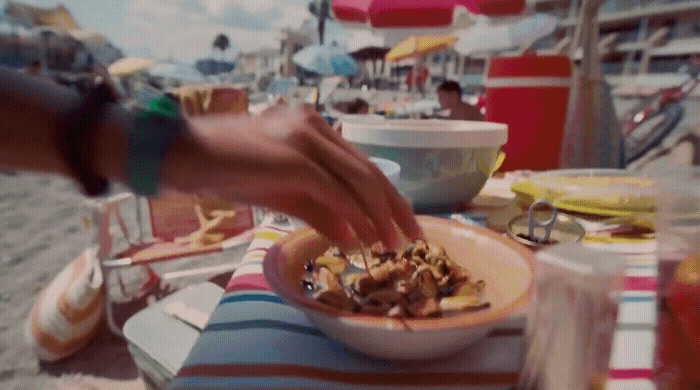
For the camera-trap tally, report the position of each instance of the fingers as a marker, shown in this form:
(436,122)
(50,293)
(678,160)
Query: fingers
(400,209)
(364,185)
(315,196)
(294,162)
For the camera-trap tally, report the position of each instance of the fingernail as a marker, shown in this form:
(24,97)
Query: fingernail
(349,238)
(390,241)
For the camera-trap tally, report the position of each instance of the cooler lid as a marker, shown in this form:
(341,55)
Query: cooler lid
(424,133)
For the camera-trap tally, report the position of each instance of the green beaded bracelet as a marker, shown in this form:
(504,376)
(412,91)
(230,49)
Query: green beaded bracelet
(153,133)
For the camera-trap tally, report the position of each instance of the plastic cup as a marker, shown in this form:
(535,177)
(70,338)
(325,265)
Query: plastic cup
(678,250)
(677,219)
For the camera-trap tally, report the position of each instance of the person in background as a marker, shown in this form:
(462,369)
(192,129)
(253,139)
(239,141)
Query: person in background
(34,68)
(450,98)
(358,106)
(289,160)
(421,77)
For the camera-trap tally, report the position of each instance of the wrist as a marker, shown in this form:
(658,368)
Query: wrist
(77,136)
(182,163)
(150,138)
(111,143)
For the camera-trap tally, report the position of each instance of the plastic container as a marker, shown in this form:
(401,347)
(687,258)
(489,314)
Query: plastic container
(530,94)
(444,163)
(678,250)
(570,329)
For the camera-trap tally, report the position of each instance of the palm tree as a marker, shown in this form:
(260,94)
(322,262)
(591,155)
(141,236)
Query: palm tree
(321,9)
(222,43)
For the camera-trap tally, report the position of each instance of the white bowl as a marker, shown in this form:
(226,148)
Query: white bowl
(390,169)
(444,163)
(505,266)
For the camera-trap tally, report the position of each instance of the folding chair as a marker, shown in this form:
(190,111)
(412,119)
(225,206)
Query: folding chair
(181,226)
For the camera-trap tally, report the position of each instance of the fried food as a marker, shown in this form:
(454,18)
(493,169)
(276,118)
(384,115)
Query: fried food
(422,281)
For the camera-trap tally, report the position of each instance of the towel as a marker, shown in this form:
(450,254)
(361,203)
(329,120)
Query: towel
(255,340)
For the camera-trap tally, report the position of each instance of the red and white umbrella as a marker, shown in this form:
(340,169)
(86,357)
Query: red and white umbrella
(417,13)
(395,20)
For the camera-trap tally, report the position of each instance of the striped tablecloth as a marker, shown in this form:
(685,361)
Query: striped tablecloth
(255,340)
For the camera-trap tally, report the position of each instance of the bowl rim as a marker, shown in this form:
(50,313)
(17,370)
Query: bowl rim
(425,133)
(465,320)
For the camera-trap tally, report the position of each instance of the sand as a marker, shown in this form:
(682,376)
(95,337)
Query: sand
(40,233)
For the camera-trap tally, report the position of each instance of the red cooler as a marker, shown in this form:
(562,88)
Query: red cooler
(530,94)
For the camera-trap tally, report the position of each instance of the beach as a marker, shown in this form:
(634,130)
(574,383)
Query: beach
(41,232)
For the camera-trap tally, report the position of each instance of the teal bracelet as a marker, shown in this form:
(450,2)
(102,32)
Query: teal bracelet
(153,133)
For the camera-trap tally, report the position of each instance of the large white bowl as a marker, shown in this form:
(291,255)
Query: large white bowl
(444,163)
(505,266)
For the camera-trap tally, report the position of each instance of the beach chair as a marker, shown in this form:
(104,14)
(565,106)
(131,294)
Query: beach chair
(212,99)
(180,226)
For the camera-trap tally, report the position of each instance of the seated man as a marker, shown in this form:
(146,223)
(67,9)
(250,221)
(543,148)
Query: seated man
(450,98)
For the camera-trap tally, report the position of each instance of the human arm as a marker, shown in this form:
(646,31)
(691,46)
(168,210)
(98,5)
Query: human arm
(290,161)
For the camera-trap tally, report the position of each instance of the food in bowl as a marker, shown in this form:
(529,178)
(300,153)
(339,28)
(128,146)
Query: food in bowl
(506,267)
(420,282)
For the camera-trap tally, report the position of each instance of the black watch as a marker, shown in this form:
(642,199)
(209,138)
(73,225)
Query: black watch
(75,139)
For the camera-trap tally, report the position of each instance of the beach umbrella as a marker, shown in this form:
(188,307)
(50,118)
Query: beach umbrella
(419,46)
(331,59)
(385,23)
(417,13)
(492,34)
(129,65)
(592,133)
(361,39)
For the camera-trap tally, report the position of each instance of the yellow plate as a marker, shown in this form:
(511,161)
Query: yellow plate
(605,192)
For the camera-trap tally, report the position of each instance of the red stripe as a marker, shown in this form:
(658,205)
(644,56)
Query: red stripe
(264,249)
(640,283)
(396,379)
(631,373)
(247,282)
(283,230)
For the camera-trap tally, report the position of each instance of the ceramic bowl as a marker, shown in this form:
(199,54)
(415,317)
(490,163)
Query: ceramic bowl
(505,266)
(444,163)
(390,169)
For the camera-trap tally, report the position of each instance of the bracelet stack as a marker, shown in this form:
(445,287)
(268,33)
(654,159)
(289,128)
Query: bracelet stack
(153,133)
(75,141)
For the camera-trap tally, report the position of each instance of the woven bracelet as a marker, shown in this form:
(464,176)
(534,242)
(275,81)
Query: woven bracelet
(153,133)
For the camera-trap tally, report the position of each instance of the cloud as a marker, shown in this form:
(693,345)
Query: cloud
(245,19)
(185,29)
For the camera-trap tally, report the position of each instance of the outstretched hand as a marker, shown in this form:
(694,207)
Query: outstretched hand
(292,161)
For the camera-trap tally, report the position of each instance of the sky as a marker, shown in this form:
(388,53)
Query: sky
(185,29)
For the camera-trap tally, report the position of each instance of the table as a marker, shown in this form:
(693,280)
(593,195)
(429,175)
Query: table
(254,340)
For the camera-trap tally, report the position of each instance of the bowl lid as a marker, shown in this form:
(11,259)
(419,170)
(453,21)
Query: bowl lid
(424,133)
